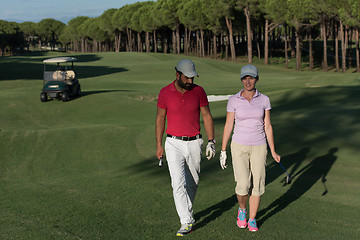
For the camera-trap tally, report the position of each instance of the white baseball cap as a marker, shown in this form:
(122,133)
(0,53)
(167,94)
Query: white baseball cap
(249,70)
(187,67)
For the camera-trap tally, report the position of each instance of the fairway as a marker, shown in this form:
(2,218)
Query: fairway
(86,169)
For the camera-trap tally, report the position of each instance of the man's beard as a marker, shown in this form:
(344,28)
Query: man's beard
(186,86)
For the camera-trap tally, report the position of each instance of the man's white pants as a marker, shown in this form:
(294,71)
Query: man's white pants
(184,159)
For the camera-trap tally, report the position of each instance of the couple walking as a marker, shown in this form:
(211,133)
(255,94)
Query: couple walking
(248,116)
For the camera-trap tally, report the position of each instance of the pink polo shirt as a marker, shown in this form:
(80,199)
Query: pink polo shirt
(249,118)
(182,110)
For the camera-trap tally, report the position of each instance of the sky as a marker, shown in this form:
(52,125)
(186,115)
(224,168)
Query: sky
(61,10)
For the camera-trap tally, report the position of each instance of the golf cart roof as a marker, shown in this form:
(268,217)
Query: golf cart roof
(60,60)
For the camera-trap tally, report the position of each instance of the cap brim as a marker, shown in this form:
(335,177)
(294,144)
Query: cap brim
(248,74)
(191,74)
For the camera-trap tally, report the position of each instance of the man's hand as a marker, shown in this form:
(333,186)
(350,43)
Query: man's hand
(159,152)
(210,150)
(223,159)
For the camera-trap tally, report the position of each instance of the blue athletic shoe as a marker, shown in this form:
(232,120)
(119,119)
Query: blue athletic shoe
(252,225)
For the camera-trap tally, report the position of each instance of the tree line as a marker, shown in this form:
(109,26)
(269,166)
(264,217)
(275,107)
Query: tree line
(207,28)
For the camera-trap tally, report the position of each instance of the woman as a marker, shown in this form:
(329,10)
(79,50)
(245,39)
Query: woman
(250,110)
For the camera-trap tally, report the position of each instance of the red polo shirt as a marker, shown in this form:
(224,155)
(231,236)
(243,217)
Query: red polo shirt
(182,110)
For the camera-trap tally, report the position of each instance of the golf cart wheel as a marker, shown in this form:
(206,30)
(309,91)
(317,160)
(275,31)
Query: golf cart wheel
(43,97)
(65,96)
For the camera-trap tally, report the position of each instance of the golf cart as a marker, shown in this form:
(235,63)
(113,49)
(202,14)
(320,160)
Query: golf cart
(60,81)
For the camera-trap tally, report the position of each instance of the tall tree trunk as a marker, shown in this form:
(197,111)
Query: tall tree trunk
(227,47)
(202,44)
(286,49)
(198,47)
(147,41)
(139,43)
(293,43)
(258,45)
(190,47)
(325,62)
(347,44)
(208,46)
(133,40)
(155,41)
(357,49)
(343,47)
(215,46)
(266,41)
(231,38)
(174,41)
(178,38)
(186,43)
(298,50)
(165,45)
(336,34)
(249,33)
(82,45)
(311,56)
(128,32)
(94,46)
(117,42)
(86,49)
(221,45)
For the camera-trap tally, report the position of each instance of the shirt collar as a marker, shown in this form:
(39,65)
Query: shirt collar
(257,93)
(172,87)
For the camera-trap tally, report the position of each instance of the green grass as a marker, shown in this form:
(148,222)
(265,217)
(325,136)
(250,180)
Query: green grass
(86,169)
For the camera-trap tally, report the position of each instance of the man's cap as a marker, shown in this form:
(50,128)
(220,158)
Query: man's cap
(187,67)
(249,70)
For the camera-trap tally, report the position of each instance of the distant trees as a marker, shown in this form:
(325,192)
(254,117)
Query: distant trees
(11,37)
(208,28)
(29,30)
(49,30)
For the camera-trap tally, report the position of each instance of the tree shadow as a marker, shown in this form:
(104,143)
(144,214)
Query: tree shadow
(303,180)
(22,67)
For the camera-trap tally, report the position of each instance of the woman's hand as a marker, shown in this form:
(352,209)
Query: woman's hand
(276,156)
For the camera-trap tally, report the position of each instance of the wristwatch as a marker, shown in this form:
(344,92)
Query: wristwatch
(212,140)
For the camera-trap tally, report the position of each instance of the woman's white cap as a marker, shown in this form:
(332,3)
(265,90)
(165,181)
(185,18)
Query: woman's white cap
(249,70)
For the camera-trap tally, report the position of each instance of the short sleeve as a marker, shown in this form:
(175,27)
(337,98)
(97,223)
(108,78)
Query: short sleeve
(203,97)
(267,104)
(231,105)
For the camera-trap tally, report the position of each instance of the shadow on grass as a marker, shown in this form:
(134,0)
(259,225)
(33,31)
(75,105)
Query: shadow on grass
(304,179)
(211,213)
(291,161)
(21,67)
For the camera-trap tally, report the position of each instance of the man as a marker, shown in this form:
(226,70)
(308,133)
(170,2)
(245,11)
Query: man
(181,103)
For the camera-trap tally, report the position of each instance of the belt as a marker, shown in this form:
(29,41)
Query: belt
(185,138)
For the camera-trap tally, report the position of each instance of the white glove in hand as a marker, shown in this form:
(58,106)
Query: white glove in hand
(223,159)
(210,150)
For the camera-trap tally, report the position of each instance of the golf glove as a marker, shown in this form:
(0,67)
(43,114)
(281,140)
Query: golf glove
(223,159)
(210,150)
